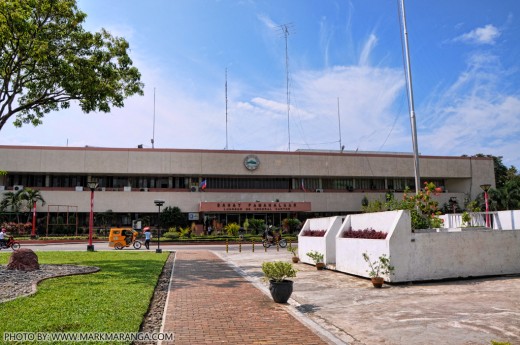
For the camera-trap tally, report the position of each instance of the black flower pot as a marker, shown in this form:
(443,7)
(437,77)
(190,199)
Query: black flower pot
(281,291)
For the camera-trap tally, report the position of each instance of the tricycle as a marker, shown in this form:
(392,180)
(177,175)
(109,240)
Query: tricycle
(120,238)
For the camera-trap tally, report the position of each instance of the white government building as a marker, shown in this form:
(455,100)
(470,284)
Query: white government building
(228,185)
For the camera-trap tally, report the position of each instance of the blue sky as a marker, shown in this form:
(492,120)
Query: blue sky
(465,58)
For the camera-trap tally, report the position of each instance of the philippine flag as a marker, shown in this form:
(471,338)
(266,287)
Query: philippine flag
(203,185)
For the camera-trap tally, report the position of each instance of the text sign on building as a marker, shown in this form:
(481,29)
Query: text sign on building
(255,207)
(193,216)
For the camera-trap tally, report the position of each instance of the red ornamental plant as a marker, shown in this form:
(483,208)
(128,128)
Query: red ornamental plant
(368,233)
(314,233)
(424,208)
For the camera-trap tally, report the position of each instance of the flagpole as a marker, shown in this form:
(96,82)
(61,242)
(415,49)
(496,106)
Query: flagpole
(411,103)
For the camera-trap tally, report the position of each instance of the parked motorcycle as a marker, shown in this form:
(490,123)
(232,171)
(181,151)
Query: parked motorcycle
(10,243)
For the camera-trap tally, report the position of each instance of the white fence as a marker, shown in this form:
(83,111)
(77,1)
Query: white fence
(501,220)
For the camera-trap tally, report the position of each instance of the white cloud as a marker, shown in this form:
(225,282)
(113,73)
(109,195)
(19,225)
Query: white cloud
(367,50)
(483,35)
(476,114)
(325,39)
(268,22)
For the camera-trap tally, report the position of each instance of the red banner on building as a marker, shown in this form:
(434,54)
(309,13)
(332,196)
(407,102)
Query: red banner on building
(255,206)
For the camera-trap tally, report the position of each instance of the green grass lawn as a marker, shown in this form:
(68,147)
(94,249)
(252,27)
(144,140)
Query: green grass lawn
(114,299)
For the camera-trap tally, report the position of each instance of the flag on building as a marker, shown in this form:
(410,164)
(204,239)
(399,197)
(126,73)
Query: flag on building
(203,185)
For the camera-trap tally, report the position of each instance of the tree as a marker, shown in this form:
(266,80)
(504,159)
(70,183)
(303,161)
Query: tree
(172,216)
(501,171)
(105,219)
(31,197)
(47,60)
(12,200)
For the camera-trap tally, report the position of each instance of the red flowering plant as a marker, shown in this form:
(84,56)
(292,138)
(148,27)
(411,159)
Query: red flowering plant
(17,228)
(314,233)
(368,233)
(424,209)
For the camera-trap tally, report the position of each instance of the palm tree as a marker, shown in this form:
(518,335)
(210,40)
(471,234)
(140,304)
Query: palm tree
(13,200)
(31,197)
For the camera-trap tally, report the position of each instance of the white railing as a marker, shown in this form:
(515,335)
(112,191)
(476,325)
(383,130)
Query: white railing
(500,220)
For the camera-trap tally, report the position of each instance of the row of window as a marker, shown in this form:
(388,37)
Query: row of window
(216,183)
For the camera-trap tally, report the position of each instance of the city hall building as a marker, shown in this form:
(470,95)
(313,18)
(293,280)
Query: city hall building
(227,185)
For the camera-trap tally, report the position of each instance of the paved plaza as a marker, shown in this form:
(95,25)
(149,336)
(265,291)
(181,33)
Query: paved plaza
(220,297)
(338,308)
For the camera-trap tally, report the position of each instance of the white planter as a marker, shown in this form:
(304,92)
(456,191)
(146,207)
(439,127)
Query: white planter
(325,245)
(428,255)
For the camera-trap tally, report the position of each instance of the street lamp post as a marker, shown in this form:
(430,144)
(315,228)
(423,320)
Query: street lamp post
(485,188)
(159,203)
(92,185)
(33,232)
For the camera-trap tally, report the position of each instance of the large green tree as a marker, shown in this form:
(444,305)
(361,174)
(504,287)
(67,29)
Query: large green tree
(47,61)
(172,216)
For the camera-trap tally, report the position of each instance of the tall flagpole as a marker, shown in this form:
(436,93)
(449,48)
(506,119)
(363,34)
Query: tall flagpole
(411,103)
(226,114)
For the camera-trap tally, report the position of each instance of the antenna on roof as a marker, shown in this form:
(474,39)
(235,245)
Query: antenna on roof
(341,147)
(153,131)
(285,30)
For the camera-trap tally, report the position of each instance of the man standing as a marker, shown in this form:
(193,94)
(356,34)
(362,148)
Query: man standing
(147,237)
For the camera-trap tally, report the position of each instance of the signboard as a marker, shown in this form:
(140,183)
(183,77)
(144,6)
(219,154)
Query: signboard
(193,216)
(136,224)
(281,206)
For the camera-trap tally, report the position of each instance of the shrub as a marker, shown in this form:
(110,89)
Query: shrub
(314,233)
(171,235)
(255,224)
(380,267)
(368,233)
(291,224)
(186,232)
(232,229)
(317,257)
(424,210)
(278,270)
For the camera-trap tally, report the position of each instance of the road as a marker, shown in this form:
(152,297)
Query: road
(100,246)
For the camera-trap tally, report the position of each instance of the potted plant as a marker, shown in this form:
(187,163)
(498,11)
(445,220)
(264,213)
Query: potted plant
(317,257)
(277,273)
(295,257)
(378,269)
(466,219)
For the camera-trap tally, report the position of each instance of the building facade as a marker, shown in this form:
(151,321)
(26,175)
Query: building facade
(228,185)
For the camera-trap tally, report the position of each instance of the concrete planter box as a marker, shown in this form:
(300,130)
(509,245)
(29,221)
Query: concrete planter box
(425,255)
(349,251)
(325,245)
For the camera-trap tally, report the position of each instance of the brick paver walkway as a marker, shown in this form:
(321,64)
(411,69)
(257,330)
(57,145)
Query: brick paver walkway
(210,303)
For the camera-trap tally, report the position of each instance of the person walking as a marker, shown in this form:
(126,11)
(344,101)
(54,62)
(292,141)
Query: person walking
(147,237)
